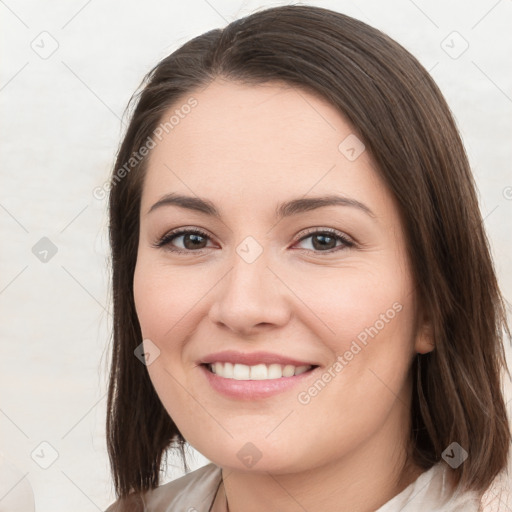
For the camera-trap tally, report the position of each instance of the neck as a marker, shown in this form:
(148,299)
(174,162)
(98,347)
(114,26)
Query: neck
(323,489)
(328,489)
(360,481)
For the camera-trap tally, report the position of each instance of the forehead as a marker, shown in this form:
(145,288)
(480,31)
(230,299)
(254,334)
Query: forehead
(259,141)
(242,121)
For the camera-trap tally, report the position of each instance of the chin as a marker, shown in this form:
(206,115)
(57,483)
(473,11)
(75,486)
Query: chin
(258,457)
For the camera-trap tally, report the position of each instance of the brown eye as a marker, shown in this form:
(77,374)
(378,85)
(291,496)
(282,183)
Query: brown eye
(327,241)
(191,240)
(322,241)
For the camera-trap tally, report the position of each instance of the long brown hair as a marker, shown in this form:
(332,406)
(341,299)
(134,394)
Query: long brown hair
(405,123)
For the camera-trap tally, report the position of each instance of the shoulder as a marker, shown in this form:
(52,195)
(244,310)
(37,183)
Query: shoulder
(193,492)
(498,497)
(433,491)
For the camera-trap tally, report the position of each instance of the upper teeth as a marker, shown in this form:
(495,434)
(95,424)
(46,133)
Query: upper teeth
(258,372)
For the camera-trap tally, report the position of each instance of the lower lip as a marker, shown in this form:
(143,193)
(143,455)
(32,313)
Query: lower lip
(253,389)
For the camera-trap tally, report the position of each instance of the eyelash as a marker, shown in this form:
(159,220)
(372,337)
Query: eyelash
(165,241)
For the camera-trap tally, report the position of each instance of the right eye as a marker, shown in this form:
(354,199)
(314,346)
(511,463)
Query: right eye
(193,240)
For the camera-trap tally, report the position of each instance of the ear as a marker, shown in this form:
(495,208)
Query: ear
(425,337)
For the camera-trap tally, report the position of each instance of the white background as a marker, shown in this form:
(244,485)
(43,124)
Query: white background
(60,131)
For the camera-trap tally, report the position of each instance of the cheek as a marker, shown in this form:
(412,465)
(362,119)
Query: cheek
(368,376)
(363,314)
(163,299)
(165,304)
(355,303)
(370,315)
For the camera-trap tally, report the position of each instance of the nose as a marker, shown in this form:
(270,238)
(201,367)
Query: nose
(250,297)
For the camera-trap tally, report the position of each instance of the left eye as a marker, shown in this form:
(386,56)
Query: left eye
(325,241)
(194,240)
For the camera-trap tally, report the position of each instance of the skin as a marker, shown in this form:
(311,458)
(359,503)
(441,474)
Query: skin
(248,148)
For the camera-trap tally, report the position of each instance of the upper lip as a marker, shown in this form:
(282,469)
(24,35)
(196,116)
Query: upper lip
(252,358)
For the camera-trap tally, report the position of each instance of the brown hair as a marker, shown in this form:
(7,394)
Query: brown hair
(405,123)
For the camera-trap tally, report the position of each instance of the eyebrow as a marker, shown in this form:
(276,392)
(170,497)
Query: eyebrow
(286,209)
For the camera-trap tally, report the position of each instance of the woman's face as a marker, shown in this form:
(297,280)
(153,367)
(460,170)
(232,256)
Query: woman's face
(275,281)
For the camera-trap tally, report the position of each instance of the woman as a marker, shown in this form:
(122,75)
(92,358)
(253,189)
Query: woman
(303,289)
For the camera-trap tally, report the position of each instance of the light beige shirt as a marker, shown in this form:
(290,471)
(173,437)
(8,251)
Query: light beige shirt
(430,492)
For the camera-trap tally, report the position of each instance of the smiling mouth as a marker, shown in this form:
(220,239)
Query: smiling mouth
(262,371)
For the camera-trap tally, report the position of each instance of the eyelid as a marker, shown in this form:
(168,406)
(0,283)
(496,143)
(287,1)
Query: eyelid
(165,239)
(330,231)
